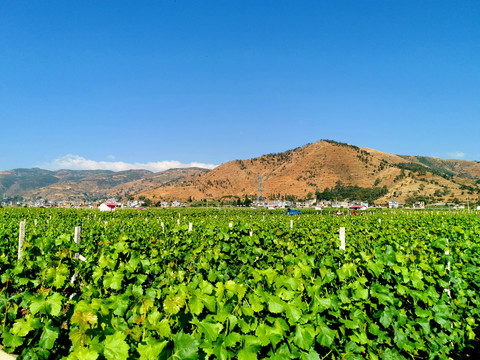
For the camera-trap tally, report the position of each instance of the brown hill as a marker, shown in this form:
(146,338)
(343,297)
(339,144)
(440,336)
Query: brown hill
(303,171)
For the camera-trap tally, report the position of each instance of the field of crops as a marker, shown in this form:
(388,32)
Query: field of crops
(239,284)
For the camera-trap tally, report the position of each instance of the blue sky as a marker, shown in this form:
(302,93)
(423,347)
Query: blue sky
(159,84)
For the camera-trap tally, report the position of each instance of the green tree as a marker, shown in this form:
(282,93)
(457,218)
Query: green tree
(147,202)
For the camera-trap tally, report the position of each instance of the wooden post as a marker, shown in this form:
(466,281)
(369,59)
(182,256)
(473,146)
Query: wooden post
(342,239)
(21,238)
(35,222)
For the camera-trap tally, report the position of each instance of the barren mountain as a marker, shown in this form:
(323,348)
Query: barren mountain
(315,167)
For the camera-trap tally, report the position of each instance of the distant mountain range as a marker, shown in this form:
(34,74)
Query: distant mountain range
(85,184)
(299,173)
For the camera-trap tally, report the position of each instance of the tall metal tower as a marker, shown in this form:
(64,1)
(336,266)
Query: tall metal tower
(260,188)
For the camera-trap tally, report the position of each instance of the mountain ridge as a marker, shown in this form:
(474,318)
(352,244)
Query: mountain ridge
(298,173)
(67,184)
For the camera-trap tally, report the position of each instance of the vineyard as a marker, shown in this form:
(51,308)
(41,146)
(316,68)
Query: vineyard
(239,284)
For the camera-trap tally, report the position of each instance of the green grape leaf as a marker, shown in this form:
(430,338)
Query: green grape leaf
(151,350)
(48,338)
(304,336)
(116,348)
(232,339)
(173,304)
(325,336)
(83,353)
(185,346)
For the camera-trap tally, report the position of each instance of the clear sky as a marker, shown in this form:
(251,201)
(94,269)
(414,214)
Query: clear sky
(165,83)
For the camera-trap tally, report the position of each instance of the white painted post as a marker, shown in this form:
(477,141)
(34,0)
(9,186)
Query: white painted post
(21,238)
(78,230)
(291,224)
(48,222)
(379,221)
(35,222)
(76,239)
(74,277)
(163,227)
(447,252)
(190,227)
(342,239)
(251,232)
(178,221)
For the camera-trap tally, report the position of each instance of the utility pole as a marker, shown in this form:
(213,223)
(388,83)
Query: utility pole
(260,188)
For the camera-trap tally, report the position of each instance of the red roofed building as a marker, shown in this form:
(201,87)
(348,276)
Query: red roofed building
(358,207)
(108,207)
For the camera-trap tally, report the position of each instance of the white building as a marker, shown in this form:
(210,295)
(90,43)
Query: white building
(107,207)
(393,204)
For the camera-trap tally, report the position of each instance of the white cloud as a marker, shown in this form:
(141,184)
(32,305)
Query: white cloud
(456,154)
(76,162)
(111,157)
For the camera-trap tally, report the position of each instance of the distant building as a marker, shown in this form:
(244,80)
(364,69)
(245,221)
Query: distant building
(340,204)
(132,203)
(419,205)
(178,204)
(310,202)
(107,207)
(393,204)
(357,207)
